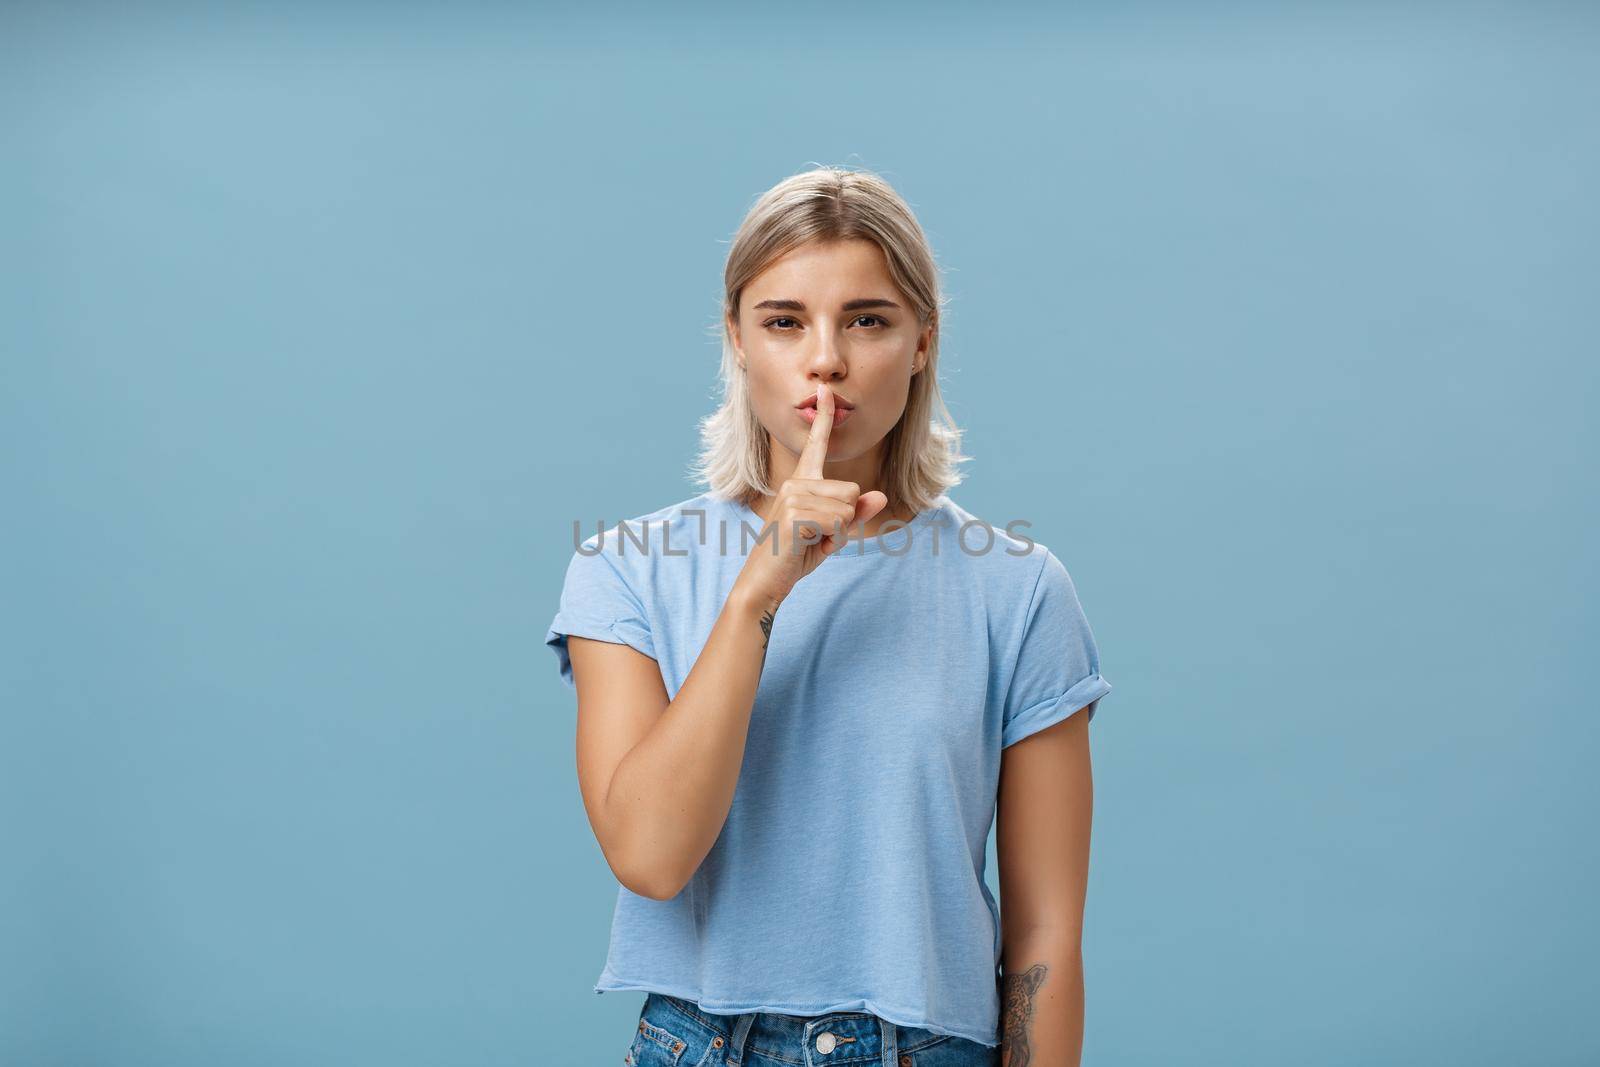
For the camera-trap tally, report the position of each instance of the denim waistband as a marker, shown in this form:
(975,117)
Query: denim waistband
(851,1036)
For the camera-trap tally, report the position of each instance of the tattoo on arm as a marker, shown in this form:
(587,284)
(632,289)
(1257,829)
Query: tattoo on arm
(767,617)
(1016,1013)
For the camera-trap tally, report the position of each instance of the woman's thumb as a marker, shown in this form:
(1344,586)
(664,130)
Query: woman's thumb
(869,504)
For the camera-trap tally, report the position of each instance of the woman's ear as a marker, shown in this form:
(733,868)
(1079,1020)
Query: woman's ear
(732,326)
(919,358)
(925,344)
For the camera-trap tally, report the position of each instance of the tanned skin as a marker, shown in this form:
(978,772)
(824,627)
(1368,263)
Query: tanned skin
(1043,816)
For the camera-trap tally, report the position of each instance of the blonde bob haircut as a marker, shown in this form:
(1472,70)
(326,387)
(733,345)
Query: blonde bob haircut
(826,204)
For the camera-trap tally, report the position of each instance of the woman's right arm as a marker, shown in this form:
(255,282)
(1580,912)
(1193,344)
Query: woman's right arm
(658,775)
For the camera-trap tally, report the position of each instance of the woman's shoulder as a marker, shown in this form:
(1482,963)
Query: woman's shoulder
(1001,552)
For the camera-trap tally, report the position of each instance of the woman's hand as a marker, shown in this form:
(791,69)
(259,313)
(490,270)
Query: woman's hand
(811,513)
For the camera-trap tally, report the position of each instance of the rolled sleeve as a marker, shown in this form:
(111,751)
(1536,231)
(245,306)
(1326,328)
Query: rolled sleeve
(1057,669)
(597,603)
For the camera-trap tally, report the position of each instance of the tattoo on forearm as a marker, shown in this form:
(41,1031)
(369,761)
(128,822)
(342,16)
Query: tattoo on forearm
(1016,1014)
(767,617)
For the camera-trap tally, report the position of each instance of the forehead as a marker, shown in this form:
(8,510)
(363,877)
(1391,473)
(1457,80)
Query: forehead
(821,270)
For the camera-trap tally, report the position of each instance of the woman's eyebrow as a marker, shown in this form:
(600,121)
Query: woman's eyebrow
(848,305)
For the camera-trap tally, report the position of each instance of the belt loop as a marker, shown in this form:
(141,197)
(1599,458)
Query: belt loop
(890,1048)
(741,1033)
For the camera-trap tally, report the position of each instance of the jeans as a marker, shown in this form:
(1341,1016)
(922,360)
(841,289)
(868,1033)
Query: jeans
(673,1032)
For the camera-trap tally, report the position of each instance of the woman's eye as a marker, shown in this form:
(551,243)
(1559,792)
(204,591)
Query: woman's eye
(875,318)
(774,322)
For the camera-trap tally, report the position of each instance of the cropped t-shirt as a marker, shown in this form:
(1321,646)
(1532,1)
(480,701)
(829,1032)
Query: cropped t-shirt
(849,874)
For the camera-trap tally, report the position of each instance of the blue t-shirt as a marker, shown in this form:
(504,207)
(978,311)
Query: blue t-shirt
(849,875)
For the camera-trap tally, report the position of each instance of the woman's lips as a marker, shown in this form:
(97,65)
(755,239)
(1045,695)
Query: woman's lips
(809,414)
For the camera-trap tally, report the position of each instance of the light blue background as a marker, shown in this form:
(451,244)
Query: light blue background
(321,325)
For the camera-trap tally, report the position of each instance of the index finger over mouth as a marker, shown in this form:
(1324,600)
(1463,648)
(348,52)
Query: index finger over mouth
(816,449)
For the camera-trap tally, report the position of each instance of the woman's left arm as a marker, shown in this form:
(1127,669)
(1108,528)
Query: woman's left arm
(1044,809)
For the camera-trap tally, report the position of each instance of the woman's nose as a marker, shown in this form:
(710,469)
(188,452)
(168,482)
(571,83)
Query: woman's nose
(826,356)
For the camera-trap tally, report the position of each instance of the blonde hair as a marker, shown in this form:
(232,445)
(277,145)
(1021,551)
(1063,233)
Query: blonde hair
(824,204)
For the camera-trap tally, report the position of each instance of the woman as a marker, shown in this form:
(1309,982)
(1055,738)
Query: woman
(791,749)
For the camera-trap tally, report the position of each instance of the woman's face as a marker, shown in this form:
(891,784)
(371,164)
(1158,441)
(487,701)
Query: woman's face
(830,312)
